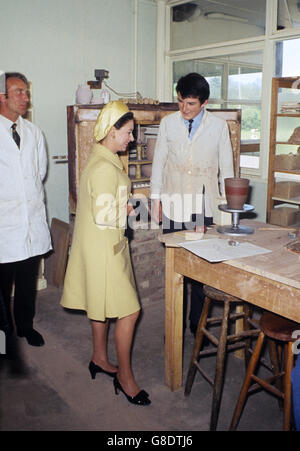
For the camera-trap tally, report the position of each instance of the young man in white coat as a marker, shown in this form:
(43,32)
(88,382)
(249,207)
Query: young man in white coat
(24,232)
(193,156)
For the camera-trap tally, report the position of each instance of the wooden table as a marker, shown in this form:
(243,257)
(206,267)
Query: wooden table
(270,281)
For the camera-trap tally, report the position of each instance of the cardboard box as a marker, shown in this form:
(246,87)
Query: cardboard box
(287,162)
(287,190)
(284,216)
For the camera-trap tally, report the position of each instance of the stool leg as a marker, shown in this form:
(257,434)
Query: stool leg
(247,353)
(197,347)
(289,360)
(247,381)
(272,346)
(219,376)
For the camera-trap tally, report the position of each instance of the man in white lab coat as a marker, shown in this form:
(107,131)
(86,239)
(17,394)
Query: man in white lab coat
(24,232)
(193,156)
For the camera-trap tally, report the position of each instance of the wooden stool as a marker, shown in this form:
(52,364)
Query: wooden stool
(273,327)
(224,343)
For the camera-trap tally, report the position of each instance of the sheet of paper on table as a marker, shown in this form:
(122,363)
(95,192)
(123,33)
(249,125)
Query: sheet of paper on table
(217,250)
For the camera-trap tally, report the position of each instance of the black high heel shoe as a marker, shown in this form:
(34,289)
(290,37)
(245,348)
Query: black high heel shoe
(94,369)
(140,399)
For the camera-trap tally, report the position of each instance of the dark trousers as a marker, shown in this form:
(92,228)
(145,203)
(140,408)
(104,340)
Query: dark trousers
(4,323)
(197,295)
(24,275)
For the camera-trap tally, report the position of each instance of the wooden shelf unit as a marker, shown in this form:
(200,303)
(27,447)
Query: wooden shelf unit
(279,83)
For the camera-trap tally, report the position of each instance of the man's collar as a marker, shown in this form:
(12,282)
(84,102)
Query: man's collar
(7,122)
(196,119)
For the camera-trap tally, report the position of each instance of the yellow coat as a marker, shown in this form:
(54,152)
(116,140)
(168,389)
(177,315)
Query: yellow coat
(99,277)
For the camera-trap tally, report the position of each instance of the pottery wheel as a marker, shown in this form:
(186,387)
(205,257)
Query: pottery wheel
(235,229)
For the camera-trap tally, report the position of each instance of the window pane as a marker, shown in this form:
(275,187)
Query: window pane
(251,120)
(288,14)
(214,106)
(244,83)
(208,22)
(287,59)
(215,86)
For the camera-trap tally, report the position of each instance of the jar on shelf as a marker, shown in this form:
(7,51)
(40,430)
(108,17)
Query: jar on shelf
(105,95)
(83,94)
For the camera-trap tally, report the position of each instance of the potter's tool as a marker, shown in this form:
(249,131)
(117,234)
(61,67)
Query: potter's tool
(233,243)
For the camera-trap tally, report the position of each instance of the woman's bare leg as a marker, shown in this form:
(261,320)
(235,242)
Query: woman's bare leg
(123,338)
(99,331)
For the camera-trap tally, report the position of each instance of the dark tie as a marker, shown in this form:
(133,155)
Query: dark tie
(15,135)
(190,125)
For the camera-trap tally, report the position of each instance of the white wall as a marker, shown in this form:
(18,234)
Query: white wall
(57,44)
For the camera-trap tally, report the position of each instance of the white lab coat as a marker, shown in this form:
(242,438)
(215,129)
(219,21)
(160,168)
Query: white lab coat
(24,231)
(181,167)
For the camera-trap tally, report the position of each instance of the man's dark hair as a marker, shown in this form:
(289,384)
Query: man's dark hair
(193,85)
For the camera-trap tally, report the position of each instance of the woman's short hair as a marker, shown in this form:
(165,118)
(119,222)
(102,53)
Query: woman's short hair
(123,120)
(193,85)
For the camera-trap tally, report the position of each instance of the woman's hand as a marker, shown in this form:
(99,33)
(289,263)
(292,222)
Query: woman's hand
(200,229)
(156,212)
(130,209)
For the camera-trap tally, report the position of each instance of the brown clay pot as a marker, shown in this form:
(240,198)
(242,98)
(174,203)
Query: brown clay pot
(236,190)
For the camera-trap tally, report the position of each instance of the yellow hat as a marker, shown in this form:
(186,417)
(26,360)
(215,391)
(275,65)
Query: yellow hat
(108,116)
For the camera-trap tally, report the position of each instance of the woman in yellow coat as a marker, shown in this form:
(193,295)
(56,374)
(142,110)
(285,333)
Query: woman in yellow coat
(99,277)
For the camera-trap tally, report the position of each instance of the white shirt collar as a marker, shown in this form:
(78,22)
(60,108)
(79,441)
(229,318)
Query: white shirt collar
(7,123)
